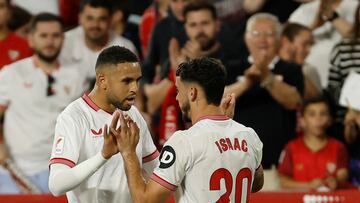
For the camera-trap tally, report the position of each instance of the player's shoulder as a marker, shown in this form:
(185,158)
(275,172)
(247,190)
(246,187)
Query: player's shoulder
(336,143)
(74,33)
(23,65)
(248,132)
(179,137)
(75,110)
(17,40)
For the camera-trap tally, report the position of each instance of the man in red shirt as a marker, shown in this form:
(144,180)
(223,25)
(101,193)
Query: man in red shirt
(314,161)
(12,47)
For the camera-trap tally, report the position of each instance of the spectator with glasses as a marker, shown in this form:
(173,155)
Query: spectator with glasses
(268,89)
(33,92)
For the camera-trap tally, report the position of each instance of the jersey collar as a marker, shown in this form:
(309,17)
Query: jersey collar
(214,117)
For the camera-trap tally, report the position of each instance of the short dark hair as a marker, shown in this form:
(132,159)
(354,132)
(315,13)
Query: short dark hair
(45,17)
(106,4)
(198,6)
(19,18)
(290,30)
(122,6)
(114,55)
(315,100)
(209,73)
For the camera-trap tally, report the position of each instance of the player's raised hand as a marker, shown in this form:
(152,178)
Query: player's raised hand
(127,135)
(110,145)
(228,105)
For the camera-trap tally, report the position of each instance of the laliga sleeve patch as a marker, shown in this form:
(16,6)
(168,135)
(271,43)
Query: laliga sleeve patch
(59,145)
(167,157)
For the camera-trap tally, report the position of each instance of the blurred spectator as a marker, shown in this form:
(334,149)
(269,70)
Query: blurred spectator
(152,15)
(170,27)
(38,6)
(138,6)
(230,9)
(268,89)
(12,46)
(279,8)
(33,92)
(20,21)
(329,20)
(202,28)
(352,137)
(344,58)
(314,161)
(120,24)
(69,12)
(158,53)
(83,44)
(296,42)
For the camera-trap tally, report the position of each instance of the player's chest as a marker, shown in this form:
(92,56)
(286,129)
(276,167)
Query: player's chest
(39,89)
(93,140)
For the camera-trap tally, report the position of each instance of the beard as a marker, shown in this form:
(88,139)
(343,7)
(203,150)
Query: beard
(99,39)
(185,109)
(120,105)
(205,42)
(48,59)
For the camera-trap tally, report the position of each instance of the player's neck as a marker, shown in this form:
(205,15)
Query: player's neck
(285,55)
(3,32)
(96,45)
(119,28)
(315,143)
(202,111)
(100,100)
(47,67)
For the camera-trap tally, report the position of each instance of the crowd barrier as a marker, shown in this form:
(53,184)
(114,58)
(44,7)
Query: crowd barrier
(340,196)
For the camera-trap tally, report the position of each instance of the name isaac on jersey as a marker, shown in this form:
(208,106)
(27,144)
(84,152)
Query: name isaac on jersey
(225,144)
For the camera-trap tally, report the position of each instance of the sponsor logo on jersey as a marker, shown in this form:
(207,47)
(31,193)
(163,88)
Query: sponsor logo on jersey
(167,157)
(28,85)
(97,133)
(331,167)
(59,145)
(13,54)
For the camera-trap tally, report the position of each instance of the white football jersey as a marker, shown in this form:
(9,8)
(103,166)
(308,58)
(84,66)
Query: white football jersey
(31,114)
(79,136)
(213,161)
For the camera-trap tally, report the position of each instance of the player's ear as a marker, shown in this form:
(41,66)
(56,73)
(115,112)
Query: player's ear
(193,93)
(101,80)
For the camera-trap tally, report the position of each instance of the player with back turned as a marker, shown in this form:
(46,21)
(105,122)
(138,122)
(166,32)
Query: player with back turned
(216,160)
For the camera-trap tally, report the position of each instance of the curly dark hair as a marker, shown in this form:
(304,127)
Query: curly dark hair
(209,73)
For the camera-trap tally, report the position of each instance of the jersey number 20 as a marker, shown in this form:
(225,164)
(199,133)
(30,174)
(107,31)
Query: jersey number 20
(223,173)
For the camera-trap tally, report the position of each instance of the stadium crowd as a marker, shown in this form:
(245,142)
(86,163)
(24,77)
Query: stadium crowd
(286,61)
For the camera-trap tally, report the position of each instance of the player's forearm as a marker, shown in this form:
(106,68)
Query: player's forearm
(63,179)
(342,175)
(289,183)
(286,95)
(258,180)
(238,88)
(135,180)
(342,26)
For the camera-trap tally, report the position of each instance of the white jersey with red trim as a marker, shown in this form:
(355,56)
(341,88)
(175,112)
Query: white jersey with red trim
(30,112)
(79,136)
(213,161)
